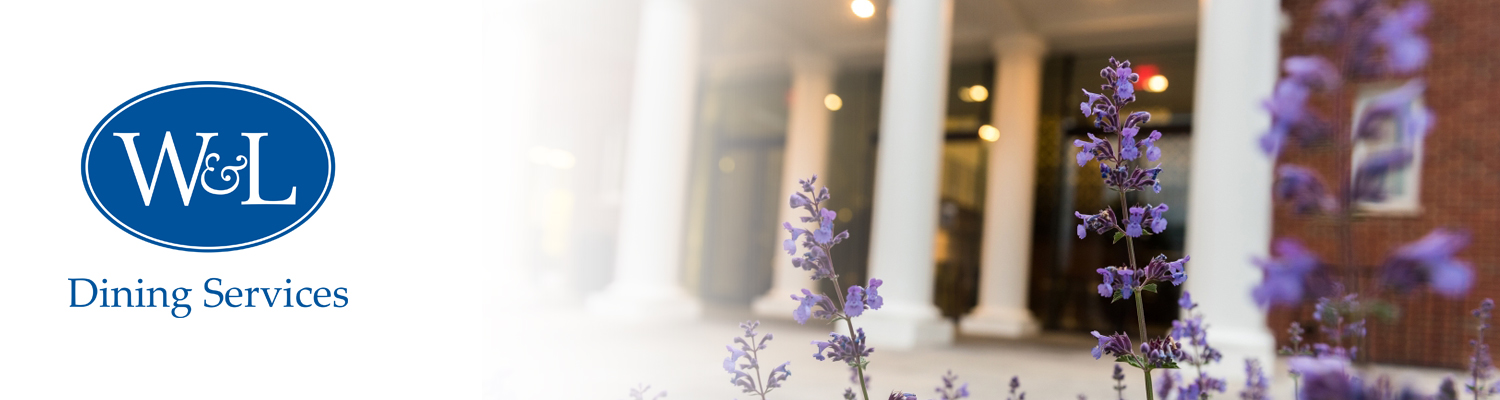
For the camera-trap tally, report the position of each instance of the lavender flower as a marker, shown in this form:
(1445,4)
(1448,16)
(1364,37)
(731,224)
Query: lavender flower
(805,307)
(1095,149)
(1430,261)
(1195,333)
(1161,270)
(1257,386)
(1162,353)
(749,349)
(1133,221)
(1119,377)
(1340,317)
(951,389)
(1296,348)
(1115,345)
(1102,222)
(1123,173)
(1015,383)
(848,394)
(1325,378)
(1153,153)
(1289,277)
(1303,189)
(1156,221)
(854,302)
(1288,102)
(1481,366)
(1446,390)
(843,348)
(1167,384)
(1405,49)
(860,299)
(819,244)
(898,395)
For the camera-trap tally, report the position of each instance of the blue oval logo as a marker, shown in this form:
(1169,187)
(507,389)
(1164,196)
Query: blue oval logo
(208,166)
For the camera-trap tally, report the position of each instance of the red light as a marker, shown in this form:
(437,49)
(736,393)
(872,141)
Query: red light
(1145,71)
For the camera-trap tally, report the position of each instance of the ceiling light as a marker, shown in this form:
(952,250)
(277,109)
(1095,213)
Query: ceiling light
(833,102)
(978,93)
(863,8)
(989,133)
(1156,83)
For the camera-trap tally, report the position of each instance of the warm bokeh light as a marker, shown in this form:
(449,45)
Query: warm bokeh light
(833,102)
(978,93)
(863,8)
(989,133)
(726,164)
(1156,83)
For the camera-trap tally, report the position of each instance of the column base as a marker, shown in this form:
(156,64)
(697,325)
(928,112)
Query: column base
(905,328)
(999,322)
(628,303)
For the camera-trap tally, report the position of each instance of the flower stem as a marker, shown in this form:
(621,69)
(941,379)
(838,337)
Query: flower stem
(1140,316)
(838,292)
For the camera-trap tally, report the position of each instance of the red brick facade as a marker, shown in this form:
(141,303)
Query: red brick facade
(1460,185)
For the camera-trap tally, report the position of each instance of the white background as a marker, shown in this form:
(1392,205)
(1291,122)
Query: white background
(396,86)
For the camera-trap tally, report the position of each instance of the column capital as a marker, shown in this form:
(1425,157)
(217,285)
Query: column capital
(1023,43)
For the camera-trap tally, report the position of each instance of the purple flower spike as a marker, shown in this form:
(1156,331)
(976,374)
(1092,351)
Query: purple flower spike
(1114,345)
(872,296)
(1287,278)
(1405,49)
(1313,72)
(843,348)
(1303,189)
(1430,260)
(854,302)
(1186,301)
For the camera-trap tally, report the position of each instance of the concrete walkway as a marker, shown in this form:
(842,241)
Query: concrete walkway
(563,354)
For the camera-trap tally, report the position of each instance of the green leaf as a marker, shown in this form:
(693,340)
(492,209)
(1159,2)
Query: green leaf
(1119,294)
(1118,236)
(1129,359)
(1150,287)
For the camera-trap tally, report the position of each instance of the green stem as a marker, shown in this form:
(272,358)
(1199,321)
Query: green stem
(1140,316)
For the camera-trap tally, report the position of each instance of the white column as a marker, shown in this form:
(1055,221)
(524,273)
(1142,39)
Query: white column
(648,252)
(1005,258)
(1230,182)
(908,169)
(806,154)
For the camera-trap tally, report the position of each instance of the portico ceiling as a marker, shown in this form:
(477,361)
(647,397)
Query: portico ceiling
(747,33)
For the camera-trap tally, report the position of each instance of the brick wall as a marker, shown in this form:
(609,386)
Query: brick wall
(1460,184)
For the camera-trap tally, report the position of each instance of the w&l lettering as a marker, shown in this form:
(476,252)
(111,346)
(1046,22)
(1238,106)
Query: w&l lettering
(187,185)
